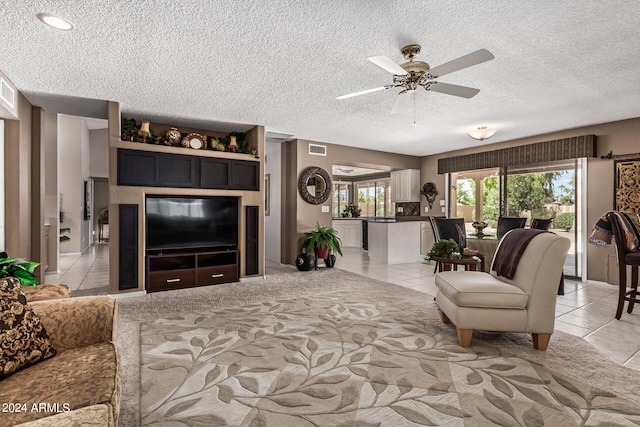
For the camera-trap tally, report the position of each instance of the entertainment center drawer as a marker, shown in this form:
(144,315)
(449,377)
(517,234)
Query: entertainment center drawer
(170,279)
(217,275)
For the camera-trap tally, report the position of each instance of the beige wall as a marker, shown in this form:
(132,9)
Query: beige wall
(99,153)
(73,146)
(296,159)
(17,190)
(272,223)
(51,205)
(619,137)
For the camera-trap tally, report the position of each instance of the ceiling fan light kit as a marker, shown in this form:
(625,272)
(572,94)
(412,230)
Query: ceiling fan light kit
(413,74)
(482,133)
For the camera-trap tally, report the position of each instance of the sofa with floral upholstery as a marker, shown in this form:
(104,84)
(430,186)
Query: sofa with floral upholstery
(58,361)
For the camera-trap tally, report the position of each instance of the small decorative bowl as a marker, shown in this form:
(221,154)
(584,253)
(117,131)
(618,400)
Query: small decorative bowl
(469,252)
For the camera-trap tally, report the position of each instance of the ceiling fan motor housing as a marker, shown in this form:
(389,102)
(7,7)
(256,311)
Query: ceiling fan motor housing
(416,69)
(415,66)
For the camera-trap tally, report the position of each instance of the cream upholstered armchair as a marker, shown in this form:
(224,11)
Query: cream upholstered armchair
(491,301)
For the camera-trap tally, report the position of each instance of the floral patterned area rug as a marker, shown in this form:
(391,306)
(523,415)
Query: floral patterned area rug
(342,359)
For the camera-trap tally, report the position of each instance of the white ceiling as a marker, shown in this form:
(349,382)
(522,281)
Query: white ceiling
(281,63)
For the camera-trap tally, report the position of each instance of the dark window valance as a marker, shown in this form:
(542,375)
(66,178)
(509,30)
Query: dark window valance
(522,155)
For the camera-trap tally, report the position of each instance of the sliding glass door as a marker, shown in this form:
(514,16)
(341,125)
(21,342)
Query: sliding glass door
(542,192)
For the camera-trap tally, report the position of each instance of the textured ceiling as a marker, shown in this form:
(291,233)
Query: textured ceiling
(281,63)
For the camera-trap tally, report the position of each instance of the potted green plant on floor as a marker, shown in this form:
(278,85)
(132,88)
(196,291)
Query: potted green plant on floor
(322,241)
(20,268)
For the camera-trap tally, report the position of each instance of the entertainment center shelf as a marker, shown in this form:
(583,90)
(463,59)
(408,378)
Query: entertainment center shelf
(186,270)
(158,148)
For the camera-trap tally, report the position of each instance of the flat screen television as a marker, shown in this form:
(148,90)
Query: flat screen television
(191,223)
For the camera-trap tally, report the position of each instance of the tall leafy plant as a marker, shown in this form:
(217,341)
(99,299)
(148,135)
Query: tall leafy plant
(322,237)
(20,268)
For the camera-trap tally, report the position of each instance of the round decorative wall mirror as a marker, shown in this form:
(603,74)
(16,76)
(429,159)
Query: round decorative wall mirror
(314,185)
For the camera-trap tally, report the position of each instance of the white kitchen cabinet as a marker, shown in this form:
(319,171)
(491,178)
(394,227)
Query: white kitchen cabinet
(349,232)
(405,185)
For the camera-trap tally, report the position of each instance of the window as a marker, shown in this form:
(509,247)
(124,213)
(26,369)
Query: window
(374,198)
(340,198)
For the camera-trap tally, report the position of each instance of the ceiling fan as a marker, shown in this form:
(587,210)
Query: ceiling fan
(414,74)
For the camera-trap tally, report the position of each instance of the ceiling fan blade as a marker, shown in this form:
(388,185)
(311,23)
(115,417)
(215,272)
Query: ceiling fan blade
(469,60)
(362,92)
(403,100)
(455,90)
(388,65)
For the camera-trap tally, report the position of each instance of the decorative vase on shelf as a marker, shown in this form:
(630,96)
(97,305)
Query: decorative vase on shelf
(173,136)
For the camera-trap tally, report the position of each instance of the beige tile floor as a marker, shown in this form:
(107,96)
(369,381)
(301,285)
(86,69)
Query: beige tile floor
(586,310)
(86,273)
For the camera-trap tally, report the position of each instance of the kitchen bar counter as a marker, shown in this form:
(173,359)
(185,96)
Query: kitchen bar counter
(381,219)
(394,242)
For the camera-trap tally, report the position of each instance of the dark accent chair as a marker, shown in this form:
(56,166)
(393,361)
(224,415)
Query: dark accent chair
(450,228)
(506,223)
(627,240)
(541,223)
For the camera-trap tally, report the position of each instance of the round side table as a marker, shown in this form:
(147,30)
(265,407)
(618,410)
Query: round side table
(470,263)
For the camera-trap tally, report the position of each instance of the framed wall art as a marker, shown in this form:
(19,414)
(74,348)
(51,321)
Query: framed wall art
(627,187)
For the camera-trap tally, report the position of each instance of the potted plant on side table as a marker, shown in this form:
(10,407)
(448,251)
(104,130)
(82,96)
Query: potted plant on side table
(324,243)
(446,248)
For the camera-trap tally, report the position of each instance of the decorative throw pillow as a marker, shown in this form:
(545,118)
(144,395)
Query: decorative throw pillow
(23,339)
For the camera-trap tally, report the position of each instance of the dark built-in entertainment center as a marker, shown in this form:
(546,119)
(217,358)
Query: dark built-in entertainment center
(184,217)
(191,241)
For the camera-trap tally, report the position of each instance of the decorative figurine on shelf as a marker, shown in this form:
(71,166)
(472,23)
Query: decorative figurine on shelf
(173,137)
(429,191)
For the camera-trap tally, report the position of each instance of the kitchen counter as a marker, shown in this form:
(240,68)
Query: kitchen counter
(379,219)
(393,242)
(412,218)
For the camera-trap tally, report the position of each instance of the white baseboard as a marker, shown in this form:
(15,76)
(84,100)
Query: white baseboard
(252,279)
(129,294)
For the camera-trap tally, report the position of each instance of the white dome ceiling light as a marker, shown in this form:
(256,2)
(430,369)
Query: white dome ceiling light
(55,21)
(482,133)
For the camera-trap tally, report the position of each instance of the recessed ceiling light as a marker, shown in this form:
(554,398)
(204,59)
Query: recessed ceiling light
(55,21)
